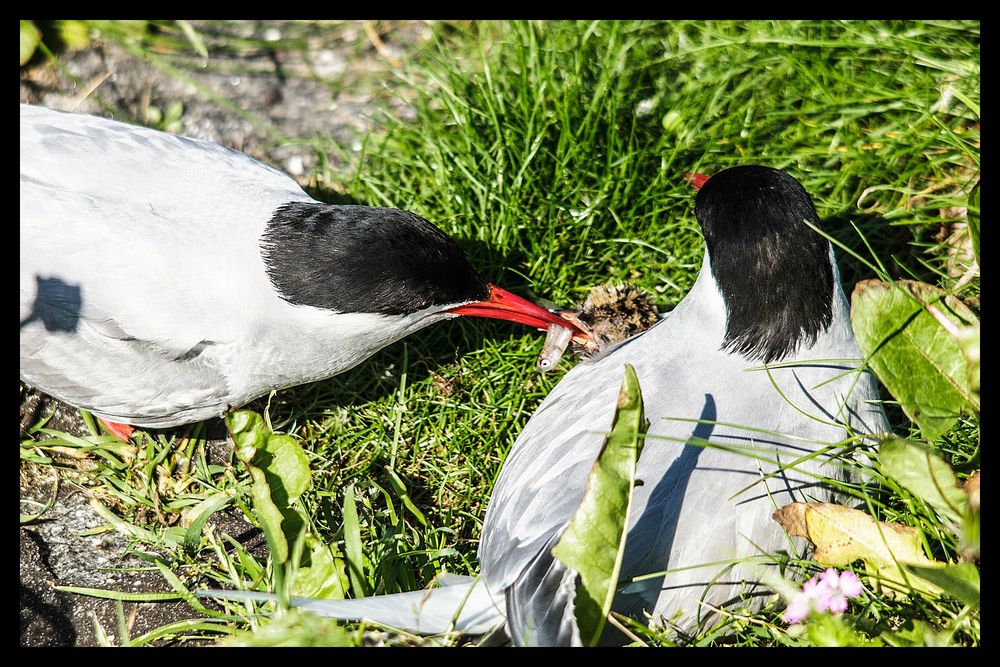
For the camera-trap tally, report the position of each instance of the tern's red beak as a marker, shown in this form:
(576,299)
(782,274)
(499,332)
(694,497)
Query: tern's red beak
(502,305)
(695,180)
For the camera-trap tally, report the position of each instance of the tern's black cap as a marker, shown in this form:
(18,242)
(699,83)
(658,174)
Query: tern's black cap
(364,259)
(773,270)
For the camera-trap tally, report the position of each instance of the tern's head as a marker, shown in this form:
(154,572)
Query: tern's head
(773,271)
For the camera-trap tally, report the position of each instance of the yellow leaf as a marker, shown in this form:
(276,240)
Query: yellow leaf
(843,535)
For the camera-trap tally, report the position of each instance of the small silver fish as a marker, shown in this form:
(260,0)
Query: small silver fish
(556,340)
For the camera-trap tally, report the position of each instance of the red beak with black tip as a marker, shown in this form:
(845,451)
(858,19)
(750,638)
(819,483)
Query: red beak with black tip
(695,180)
(503,305)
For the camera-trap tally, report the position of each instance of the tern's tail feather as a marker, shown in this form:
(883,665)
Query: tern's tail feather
(465,607)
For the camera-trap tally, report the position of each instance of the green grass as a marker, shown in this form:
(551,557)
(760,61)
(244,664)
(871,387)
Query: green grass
(554,153)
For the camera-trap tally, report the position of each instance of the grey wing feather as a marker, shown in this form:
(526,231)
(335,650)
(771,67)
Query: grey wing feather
(715,465)
(463,607)
(540,608)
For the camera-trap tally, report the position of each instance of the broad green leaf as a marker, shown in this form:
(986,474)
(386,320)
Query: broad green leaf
(959,581)
(843,535)
(918,360)
(973,219)
(352,545)
(30,36)
(248,432)
(280,456)
(593,543)
(286,466)
(926,475)
(269,515)
(321,574)
(280,473)
(295,628)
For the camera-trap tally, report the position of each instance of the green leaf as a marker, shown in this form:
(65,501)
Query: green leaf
(918,360)
(269,515)
(280,473)
(295,628)
(30,37)
(194,39)
(593,543)
(830,630)
(202,512)
(247,430)
(400,489)
(352,545)
(960,581)
(926,475)
(322,574)
(286,466)
(74,34)
(973,219)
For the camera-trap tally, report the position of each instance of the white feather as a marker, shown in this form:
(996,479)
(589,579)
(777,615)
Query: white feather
(150,242)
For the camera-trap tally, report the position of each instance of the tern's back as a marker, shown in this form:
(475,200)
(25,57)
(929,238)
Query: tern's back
(137,248)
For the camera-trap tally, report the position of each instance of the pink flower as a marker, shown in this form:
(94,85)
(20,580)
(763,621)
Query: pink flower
(838,587)
(796,611)
(826,592)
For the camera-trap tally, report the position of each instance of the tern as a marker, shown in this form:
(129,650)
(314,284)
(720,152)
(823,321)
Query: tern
(755,370)
(164,279)
(745,383)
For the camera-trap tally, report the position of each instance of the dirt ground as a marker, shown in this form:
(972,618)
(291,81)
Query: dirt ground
(58,550)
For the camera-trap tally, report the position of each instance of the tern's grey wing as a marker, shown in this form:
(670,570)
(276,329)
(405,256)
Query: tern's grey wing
(699,507)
